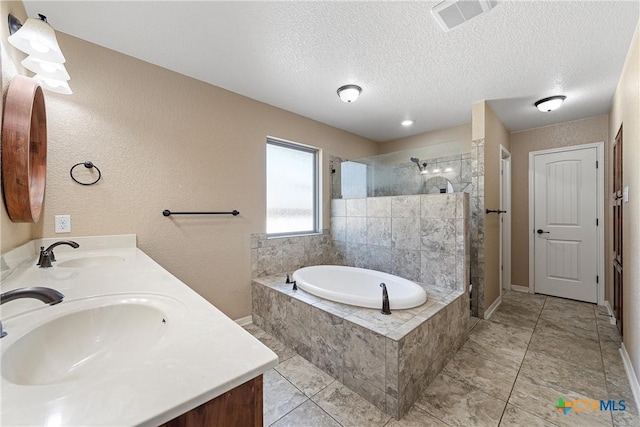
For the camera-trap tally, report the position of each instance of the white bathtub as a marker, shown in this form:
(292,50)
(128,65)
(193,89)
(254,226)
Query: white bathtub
(359,286)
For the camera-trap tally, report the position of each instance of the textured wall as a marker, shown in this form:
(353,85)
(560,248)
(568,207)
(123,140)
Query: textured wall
(460,133)
(11,234)
(166,141)
(495,136)
(585,131)
(626,110)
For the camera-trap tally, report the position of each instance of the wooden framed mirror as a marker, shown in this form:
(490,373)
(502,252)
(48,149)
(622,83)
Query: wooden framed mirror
(24,150)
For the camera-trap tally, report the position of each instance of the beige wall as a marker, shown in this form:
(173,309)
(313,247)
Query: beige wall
(11,234)
(626,110)
(595,129)
(460,133)
(166,141)
(495,135)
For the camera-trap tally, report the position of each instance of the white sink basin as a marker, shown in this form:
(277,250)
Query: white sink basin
(89,343)
(92,261)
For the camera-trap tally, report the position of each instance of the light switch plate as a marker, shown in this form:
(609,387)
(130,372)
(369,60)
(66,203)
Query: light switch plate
(625,194)
(63,223)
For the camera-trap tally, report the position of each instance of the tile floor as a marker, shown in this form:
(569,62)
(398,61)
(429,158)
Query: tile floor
(510,372)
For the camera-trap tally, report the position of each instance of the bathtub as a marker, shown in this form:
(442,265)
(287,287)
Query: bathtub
(359,286)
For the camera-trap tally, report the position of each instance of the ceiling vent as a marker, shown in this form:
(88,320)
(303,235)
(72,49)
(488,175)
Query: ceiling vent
(451,13)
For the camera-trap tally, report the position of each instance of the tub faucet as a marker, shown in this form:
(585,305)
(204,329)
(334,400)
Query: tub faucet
(46,295)
(47,256)
(385,300)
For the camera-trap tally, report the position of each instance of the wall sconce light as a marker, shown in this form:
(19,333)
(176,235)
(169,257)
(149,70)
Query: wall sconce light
(547,105)
(38,40)
(349,93)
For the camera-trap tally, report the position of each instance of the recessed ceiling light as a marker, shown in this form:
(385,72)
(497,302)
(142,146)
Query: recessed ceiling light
(407,122)
(349,93)
(549,104)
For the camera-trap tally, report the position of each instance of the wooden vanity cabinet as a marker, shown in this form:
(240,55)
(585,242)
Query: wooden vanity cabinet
(241,407)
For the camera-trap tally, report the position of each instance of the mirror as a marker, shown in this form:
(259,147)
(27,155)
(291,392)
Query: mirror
(24,150)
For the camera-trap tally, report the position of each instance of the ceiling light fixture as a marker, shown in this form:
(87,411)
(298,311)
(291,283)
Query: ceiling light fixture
(38,39)
(551,103)
(407,122)
(349,93)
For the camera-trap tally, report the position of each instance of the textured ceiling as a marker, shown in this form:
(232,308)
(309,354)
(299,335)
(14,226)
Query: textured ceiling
(294,55)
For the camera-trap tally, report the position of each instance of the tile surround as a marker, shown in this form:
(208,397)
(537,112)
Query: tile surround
(388,360)
(428,235)
(476,225)
(271,256)
(424,238)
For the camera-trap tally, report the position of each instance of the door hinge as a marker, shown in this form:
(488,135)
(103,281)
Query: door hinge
(502,268)
(596,164)
(597,222)
(597,279)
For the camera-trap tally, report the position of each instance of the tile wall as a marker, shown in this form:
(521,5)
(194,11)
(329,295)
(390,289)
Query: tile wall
(419,237)
(285,255)
(476,235)
(388,360)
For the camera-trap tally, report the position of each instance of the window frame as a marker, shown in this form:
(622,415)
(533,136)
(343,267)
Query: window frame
(317,207)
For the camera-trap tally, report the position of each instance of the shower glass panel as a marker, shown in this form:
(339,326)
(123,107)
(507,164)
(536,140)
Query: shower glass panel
(437,168)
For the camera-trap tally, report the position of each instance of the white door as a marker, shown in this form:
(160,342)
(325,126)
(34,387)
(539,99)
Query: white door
(565,230)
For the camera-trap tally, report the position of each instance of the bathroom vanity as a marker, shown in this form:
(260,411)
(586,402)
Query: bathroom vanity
(129,345)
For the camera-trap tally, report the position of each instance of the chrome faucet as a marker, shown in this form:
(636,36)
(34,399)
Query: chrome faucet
(47,256)
(46,295)
(385,300)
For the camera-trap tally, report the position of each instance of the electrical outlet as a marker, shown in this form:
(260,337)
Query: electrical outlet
(63,223)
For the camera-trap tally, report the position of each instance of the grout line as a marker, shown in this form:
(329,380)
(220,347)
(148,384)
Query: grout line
(309,398)
(522,363)
(604,369)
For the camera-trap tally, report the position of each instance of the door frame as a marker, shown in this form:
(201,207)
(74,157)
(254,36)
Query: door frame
(600,198)
(505,219)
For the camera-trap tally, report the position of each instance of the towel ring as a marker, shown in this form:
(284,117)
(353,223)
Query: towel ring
(88,165)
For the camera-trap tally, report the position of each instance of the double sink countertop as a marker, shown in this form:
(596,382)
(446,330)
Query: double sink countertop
(129,345)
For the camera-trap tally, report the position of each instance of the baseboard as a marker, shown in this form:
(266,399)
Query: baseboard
(631,375)
(612,318)
(519,288)
(244,321)
(489,311)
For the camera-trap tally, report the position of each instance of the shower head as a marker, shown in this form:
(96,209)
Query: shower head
(417,162)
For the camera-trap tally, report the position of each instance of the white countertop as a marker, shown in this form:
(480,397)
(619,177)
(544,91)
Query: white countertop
(202,355)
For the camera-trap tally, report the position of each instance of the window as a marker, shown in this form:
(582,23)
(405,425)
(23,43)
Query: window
(292,189)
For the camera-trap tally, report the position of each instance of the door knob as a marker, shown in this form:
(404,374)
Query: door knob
(540,231)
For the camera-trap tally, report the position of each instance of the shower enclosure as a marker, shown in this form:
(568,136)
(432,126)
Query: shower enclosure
(438,168)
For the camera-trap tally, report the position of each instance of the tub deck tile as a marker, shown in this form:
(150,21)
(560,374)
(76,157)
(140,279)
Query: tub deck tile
(387,359)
